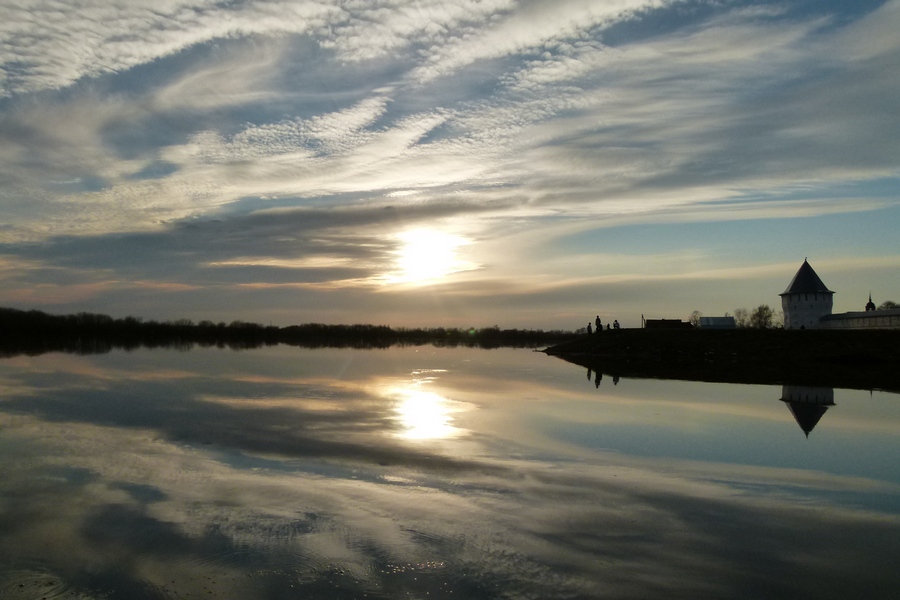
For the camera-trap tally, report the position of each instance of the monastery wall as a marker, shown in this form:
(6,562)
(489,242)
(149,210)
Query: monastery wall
(875,319)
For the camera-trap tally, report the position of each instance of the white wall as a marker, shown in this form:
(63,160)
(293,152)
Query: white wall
(805,310)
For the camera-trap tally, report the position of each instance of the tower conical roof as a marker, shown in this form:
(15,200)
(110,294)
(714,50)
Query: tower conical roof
(806,282)
(807,415)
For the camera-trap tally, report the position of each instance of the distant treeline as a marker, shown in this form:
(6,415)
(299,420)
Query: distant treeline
(36,332)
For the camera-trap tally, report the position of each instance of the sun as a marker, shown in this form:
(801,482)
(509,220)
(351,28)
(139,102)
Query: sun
(427,255)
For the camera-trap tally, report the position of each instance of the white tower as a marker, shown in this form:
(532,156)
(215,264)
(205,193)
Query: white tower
(806,300)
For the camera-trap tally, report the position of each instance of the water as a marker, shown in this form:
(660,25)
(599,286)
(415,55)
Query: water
(434,473)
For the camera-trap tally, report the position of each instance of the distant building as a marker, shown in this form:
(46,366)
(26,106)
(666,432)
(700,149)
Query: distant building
(807,304)
(717,323)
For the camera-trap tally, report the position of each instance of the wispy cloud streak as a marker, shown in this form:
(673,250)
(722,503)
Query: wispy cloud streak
(133,116)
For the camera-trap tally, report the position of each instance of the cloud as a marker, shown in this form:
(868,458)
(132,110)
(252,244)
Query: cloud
(698,114)
(238,74)
(498,116)
(53,45)
(527,29)
(296,246)
(374,29)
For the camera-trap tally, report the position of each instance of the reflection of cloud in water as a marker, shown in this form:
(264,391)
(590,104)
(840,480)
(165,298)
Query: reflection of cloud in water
(151,508)
(151,490)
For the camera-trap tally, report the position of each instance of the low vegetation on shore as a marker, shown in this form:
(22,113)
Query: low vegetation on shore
(34,332)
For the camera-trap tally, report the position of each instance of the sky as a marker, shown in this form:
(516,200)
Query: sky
(456,163)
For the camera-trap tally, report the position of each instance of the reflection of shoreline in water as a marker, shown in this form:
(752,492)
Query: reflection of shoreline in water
(858,379)
(807,404)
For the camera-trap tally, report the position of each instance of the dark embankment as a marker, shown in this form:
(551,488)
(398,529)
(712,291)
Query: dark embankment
(843,359)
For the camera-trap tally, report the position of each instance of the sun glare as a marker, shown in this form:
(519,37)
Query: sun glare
(425,415)
(427,255)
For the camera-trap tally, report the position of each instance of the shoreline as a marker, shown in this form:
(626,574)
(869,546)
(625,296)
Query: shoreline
(35,332)
(855,359)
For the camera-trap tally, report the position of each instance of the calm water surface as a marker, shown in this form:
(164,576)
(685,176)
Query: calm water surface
(434,473)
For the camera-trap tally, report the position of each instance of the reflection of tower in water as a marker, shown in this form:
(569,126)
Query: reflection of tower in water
(807,404)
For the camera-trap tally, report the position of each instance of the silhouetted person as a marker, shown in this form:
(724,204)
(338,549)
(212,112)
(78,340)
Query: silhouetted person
(589,374)
(589,329)
(616,324)
(598,324)
(597,379)
(615,380)
(607,326)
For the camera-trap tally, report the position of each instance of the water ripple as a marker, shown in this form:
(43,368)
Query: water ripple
(30,584)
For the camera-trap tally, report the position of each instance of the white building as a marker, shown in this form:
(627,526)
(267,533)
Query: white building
(807,304)
(806,300)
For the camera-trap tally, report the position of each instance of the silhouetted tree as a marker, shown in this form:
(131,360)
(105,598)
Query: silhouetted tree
(742,317)
(888,305)
(36,332)
(762,317)
(695,318)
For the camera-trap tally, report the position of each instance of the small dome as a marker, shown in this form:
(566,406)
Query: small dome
(870,305)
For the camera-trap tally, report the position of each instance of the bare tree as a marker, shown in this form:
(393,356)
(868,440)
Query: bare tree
(742,317)
(888,305)
(762,317)
(695,318)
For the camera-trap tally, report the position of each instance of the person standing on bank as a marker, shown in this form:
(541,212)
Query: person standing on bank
(598,324)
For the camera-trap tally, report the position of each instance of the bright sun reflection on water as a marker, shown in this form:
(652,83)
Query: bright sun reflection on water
(425,415)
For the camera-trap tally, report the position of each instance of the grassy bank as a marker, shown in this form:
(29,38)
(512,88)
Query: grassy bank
(844,359)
